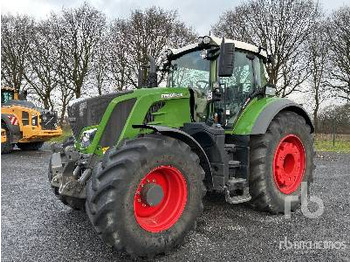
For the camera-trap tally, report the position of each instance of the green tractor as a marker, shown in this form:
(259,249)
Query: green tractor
(142,160)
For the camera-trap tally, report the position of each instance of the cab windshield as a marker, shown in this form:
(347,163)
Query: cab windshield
(190,70)
(6,95)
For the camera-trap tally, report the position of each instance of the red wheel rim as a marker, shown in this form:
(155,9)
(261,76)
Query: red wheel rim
(289,164)
(163,215)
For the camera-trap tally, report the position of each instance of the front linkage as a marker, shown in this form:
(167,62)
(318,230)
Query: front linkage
(69,171)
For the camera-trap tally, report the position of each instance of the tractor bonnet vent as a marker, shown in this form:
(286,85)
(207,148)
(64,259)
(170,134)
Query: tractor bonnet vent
(154,108)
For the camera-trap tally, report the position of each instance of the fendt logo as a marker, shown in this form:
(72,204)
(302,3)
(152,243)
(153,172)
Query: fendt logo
(171,95)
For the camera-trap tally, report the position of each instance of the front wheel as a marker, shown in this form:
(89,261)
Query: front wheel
(6,146)
(146,196)
(281,160)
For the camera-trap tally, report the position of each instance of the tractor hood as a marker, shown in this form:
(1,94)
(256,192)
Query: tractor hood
(84,112)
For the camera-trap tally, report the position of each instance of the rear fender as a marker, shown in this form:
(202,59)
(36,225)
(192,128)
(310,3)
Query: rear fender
(257,116)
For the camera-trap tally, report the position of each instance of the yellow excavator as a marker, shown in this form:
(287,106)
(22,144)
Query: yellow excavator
(23,124)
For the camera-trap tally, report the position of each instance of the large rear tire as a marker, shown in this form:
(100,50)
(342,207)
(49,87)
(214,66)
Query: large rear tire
(281,160)
(6,147)
(33,146)
(146,196)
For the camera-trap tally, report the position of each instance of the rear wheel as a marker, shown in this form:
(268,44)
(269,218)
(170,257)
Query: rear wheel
(145,196)
(281,160)
(30,146)
(6,147)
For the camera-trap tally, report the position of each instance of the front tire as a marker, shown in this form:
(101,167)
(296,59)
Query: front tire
(146,196)
(281,160)
(6,147)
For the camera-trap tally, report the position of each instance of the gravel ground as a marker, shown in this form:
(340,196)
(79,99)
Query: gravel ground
(37,227)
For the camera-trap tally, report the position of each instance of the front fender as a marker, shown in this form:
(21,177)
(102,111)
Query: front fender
(186,138)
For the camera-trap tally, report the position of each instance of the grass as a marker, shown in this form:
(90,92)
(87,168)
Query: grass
(324,142)
(66,132)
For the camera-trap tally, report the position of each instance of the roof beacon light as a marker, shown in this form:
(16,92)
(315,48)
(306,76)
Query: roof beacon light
(200,40)
(206,40)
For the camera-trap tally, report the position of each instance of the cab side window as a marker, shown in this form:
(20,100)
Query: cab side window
(238,86)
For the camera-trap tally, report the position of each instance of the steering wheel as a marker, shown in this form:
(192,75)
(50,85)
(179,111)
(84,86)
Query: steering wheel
(206,84)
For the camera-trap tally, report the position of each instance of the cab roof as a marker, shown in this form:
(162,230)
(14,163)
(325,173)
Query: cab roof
(217,41)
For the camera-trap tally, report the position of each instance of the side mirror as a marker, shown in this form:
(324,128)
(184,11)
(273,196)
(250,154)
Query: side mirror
(226,59)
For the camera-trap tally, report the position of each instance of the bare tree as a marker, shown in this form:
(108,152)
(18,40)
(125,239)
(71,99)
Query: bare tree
(335,118)
(42,73)
(118,54)
(65,96)
(77,32)
(338,31)
(99,73)
(144,33)
(318,67)
(16,36)
(283,28)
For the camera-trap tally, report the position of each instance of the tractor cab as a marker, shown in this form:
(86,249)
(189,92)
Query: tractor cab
(223,74)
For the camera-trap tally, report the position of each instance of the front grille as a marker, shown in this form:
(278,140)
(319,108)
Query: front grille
(116,122)
(48,120)
(89,111)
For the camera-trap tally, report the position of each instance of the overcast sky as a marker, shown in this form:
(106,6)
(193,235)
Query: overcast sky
(198,14)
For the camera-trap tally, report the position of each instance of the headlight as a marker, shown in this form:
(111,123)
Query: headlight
(87,137)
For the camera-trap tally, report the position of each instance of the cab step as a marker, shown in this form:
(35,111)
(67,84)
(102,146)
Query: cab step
(234,164)
(234,185)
